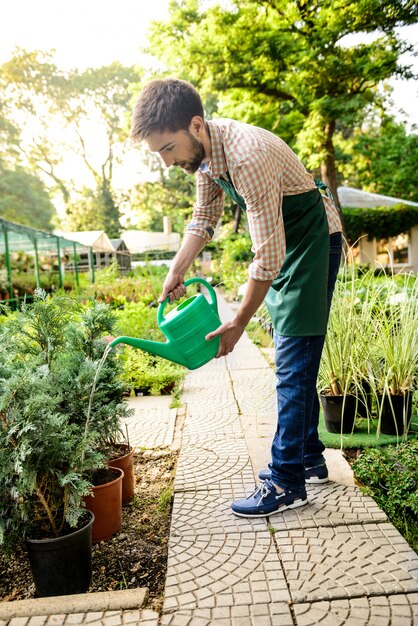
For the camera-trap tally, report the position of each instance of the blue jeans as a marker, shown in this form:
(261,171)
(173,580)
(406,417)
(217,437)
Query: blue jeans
(296,444)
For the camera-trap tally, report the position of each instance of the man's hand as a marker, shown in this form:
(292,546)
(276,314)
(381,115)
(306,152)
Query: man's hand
(173,287)
(174,283)
(230,333)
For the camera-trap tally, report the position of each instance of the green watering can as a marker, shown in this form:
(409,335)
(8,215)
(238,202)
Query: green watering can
(185,328)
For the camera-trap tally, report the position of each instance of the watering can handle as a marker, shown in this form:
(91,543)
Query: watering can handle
(212,295)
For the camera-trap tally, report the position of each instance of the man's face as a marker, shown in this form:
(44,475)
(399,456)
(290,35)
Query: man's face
(180,149)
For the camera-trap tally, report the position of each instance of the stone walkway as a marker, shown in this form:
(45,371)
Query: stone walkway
(337,561)
(334,561)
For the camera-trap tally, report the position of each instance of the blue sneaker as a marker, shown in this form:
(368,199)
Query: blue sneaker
(265,501)
(313,475)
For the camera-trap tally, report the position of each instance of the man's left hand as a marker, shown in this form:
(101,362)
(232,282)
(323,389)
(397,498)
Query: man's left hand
(230,333)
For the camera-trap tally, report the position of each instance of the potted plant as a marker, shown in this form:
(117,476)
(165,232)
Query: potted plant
(44,455)
(394,356)
(337,371)
(53,429)
(101,405)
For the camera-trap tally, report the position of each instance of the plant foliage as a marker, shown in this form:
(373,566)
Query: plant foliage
(49,355)
(379,223)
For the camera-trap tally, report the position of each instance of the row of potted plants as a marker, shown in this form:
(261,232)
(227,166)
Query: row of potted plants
(370,358)
(57,439)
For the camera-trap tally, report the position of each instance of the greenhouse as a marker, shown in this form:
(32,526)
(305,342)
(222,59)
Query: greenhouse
(31,258)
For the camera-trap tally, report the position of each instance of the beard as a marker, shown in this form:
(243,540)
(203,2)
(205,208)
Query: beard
(197,154)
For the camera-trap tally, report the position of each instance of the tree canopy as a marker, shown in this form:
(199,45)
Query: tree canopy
(283,64)
(24,199)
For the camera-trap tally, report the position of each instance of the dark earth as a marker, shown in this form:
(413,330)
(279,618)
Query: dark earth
(134,557)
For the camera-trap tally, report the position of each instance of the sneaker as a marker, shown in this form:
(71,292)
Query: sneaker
(265,501)
(313,475)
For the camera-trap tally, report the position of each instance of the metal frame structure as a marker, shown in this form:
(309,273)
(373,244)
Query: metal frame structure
(18,238)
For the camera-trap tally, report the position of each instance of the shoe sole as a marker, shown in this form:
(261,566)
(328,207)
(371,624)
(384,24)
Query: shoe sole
(295,505)
(314,480)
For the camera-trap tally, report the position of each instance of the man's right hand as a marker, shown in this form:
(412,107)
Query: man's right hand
(173,287)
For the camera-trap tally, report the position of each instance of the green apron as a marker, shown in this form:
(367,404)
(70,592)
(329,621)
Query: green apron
(297,298)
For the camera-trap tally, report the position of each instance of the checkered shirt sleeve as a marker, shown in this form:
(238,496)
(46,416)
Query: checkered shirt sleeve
(208,208)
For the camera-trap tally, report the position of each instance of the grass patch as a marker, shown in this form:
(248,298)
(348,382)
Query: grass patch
(361,438)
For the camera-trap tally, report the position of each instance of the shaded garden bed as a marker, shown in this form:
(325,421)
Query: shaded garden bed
(134,557)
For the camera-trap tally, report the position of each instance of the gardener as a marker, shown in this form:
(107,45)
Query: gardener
(296,236)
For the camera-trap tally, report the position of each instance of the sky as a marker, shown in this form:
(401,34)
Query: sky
(85,33)
(90,33)
(93,33)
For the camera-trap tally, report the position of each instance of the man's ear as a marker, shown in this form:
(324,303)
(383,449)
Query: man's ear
(197,126)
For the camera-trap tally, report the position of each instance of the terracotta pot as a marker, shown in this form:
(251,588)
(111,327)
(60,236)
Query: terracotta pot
(125,462)
(62,565)
(106,505)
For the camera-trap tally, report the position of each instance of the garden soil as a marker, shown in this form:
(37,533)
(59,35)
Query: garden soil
(134,557)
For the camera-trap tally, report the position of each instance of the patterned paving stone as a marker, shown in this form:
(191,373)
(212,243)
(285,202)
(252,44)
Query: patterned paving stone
(347,561)
(273,614)
(226,462)
(330,505)
(203,378)
(152,425)
(255,391)
(212,427)
(208,512)
(206,403)
(223,570)
(396,610)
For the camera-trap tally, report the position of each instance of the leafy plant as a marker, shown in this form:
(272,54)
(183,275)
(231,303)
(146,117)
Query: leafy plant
(379,222)
(391,477)
(49,353)
(149,374)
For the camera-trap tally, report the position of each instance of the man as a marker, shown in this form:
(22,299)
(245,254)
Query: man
(296,236)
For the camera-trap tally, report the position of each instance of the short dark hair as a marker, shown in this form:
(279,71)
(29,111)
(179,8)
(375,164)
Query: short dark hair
(167,104)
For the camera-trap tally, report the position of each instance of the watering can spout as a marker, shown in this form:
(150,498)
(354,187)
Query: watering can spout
(159,348)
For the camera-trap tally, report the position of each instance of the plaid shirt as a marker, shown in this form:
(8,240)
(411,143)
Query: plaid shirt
(263,169)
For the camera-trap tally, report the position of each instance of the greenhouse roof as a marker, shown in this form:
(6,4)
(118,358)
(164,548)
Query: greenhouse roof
(96,239)
(24,238)
(356,198)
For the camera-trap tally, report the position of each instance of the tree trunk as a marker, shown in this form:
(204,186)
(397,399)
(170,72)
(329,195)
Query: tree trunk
(328,171)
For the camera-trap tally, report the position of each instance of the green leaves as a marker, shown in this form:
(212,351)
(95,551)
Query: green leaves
(49,354)
(379,222)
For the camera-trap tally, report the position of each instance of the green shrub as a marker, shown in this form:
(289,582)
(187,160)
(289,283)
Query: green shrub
(232,263)
(138,319)
(379,222)
(148,374)
(391,478)
(143,372)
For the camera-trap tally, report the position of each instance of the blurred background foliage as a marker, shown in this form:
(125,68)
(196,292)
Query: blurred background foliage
(285,65)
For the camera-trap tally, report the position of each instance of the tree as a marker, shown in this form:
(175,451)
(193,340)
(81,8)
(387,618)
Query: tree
(280,63)
(44,98)
(24,199)
(378,148)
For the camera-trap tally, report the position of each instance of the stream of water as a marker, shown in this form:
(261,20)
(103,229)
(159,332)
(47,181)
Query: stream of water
(93,389)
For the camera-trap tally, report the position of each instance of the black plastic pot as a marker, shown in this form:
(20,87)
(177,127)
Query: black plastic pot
(62,566)
(364,401)
(339,413)
(393,409)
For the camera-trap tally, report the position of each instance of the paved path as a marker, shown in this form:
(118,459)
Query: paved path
(336,561)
